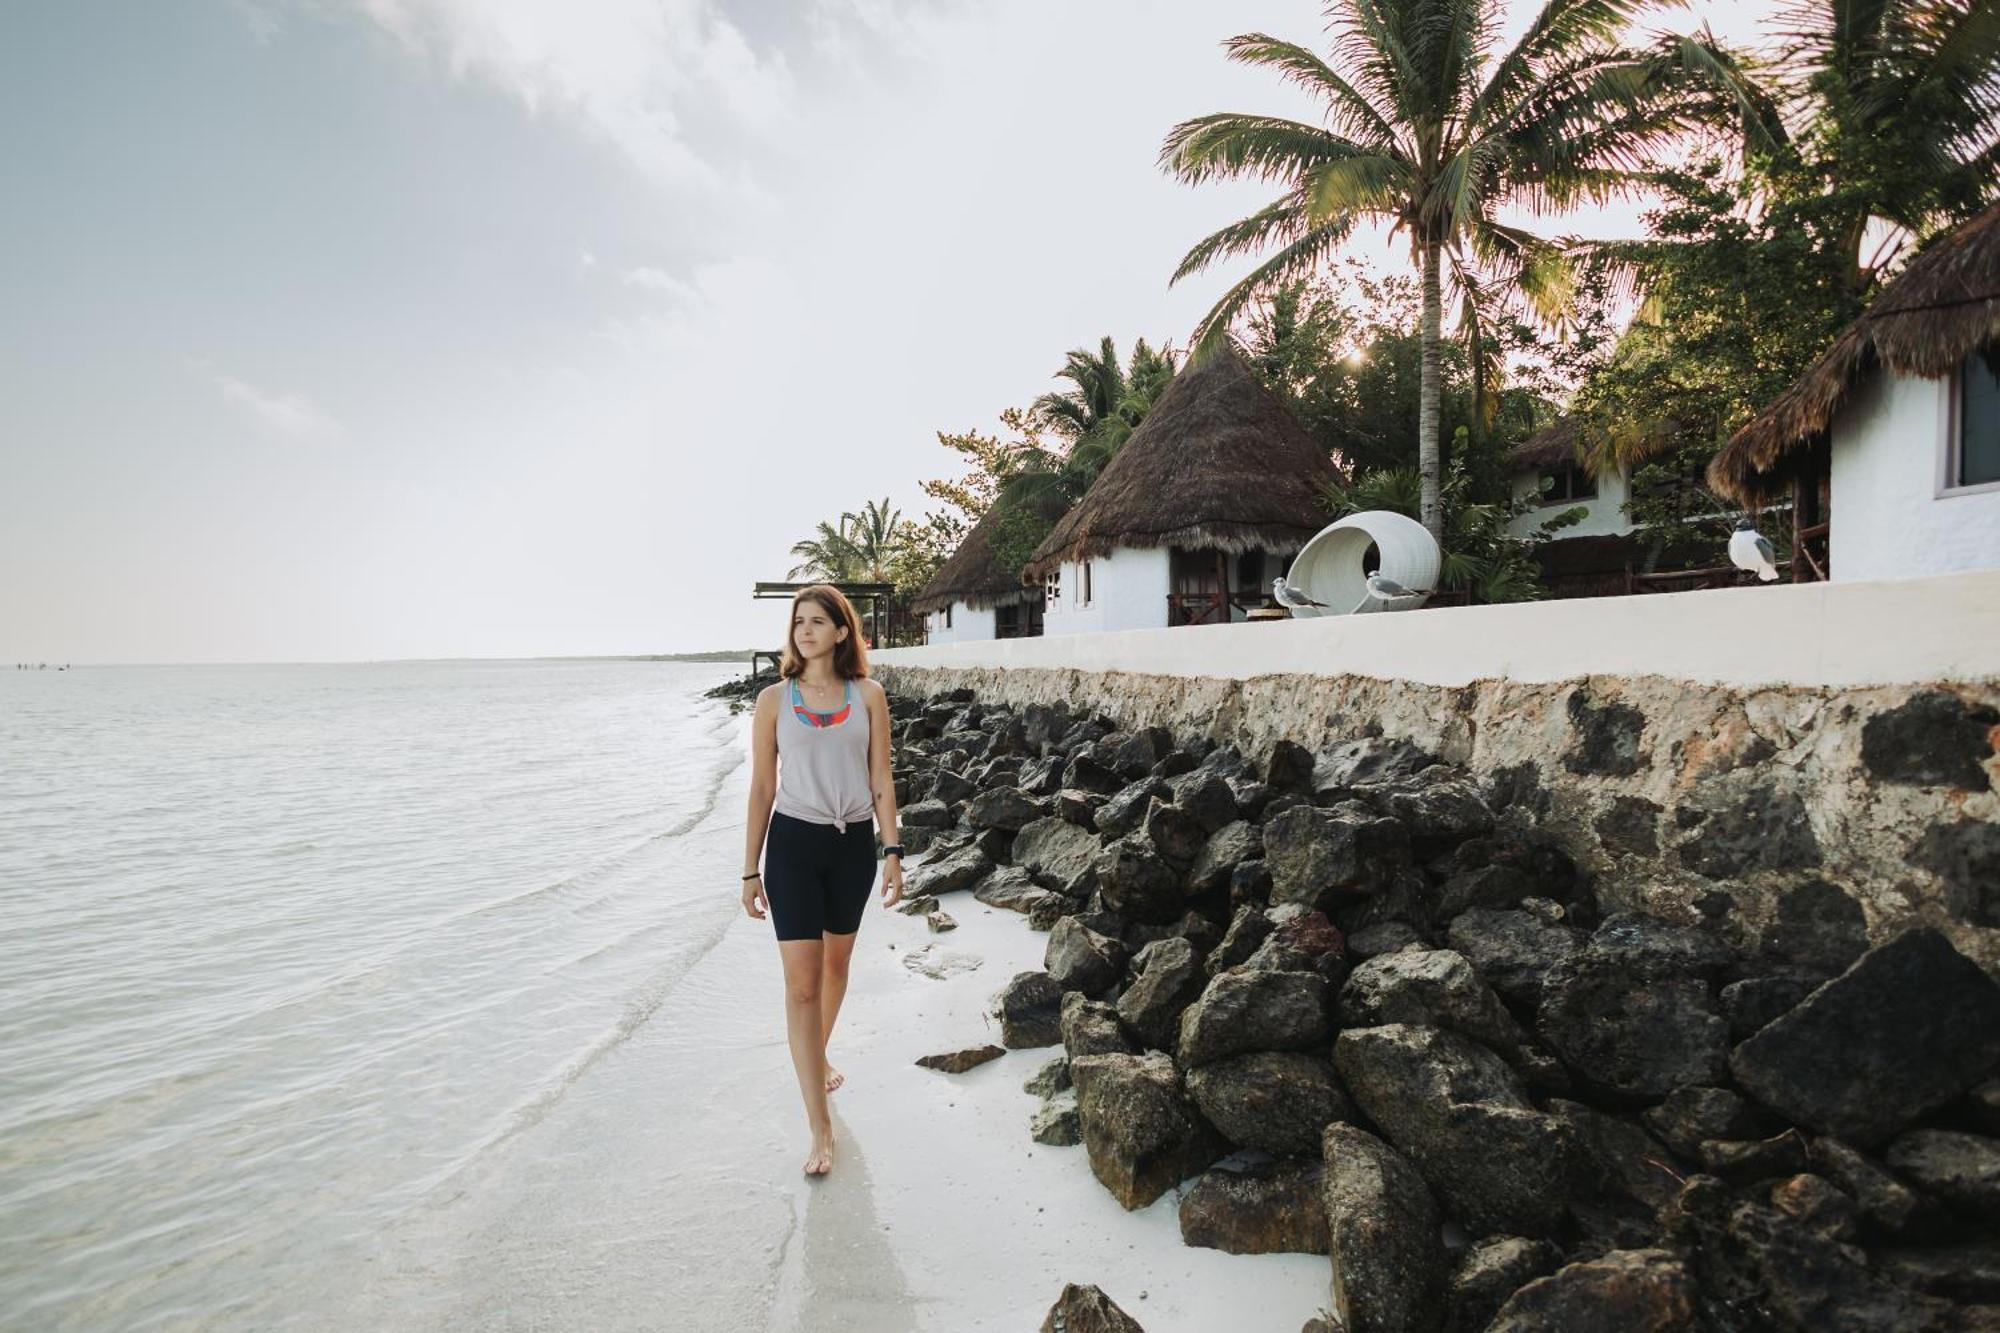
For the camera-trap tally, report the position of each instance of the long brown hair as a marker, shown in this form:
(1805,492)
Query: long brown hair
(850,655)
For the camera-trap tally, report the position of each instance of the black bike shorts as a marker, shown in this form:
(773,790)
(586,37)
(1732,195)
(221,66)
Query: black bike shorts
(816,878)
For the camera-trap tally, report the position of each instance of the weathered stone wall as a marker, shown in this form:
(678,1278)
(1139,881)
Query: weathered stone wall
(1772,814)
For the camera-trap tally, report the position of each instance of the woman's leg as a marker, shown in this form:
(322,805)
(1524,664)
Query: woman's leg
(849,879)
(838,950)
(807,1035)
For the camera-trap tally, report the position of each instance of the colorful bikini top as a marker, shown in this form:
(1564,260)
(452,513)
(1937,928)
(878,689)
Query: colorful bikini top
(813,718)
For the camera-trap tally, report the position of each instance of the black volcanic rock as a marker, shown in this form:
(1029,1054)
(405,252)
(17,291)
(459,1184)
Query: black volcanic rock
(1255,1011)
(1632,1014)
(1266,1207)
(1910,1026)
(1464,1119)
(1279,1101)
(1818,926)
(1137,882)
(1091,1027)
(960,870)
(1383,1236)
(1290,768)
(1962,1169)
(1228,848)
(1513,952)
(1608,738)
(1490,1271)
(1320,857)
(1933,740)
(1626,1291)
(1436,987)
(1142,1134)
(1030,1009)
(1166,978)
(1126,809)
(1086,1309)
(1058,855)
(1006,808)
(1080,959)
(1438,808)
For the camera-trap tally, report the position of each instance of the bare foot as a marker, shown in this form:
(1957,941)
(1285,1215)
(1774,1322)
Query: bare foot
(820,1160)
(834,1078)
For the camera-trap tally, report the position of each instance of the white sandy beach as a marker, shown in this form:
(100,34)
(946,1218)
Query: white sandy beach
(663,1189)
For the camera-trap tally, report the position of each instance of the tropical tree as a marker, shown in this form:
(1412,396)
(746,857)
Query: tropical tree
(1884,110)
(1430,126)
(874,533)
(1097,385)
(830,555)
(857,547)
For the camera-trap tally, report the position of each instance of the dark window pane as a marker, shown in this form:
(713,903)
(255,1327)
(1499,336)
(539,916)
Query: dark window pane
(1978,423)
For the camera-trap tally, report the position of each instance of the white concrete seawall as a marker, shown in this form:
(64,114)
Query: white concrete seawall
(1703,754)
(1841,635)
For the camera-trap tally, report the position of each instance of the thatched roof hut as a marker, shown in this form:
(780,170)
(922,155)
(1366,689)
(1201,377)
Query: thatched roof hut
(974,574)
(1548,449)
(1218,462)
(1941,309)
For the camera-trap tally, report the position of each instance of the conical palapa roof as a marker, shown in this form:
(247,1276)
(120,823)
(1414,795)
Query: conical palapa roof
(974,574)
(1219,461)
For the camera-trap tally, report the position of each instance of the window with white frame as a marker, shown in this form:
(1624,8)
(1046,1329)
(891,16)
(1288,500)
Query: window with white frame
(947,617)
(1052,586)
(1973,446)
(1083,584)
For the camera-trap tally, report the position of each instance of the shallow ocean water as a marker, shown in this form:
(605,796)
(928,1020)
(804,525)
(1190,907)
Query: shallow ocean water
(290,948)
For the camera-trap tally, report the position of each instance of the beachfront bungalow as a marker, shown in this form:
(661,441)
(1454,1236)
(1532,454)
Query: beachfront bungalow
(1194,516)
(974,596)
(1889,445)
(1550,477)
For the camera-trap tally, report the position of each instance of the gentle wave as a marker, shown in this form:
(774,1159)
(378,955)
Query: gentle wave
(290,946)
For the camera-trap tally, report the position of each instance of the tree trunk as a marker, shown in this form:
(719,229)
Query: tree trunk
(1428,393)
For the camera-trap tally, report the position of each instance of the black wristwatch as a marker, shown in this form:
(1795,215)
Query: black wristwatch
(893,849)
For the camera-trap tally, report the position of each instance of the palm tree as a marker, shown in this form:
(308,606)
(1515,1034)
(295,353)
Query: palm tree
(830,556)
(874,534)
(1097,383)
(1429,126)
(1887,107)
(856,547)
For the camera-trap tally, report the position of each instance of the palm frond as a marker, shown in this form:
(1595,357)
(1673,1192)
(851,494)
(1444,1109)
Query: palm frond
(1232,144)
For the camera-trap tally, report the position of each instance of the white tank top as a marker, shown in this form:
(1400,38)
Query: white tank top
(823,769)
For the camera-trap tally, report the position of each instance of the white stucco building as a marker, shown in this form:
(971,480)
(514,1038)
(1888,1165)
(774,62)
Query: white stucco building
(1549,478)
(1890,443)
(974,595)
(1193,517)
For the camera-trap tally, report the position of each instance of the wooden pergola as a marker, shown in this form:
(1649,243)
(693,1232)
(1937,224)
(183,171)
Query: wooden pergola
(875,601)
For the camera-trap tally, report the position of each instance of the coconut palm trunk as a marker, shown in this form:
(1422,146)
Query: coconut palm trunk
(1430,465)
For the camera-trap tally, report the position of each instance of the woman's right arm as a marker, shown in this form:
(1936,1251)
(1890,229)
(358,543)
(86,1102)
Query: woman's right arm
(763,791)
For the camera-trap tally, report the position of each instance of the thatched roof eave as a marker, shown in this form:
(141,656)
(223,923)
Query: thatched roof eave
(1219,461)
(1942,308)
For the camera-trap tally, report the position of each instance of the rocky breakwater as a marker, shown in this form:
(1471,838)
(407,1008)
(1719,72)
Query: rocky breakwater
(1342,1005)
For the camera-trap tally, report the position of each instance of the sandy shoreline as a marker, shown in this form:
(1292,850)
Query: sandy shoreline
(664,1191)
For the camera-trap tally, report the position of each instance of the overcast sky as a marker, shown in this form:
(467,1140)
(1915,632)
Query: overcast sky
(361,329)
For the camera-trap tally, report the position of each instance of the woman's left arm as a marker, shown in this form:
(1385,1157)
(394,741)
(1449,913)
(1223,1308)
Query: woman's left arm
(882,783)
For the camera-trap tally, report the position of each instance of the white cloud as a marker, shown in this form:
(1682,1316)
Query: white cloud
(643,75)
(262,17)
(290,415)
(658,280)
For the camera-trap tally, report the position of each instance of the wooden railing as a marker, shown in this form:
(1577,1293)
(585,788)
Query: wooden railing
(1211,607)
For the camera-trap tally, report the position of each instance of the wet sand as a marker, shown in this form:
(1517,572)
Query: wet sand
(664,1190)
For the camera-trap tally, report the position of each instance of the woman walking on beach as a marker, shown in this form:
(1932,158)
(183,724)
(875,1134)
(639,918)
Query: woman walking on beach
(819,788)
